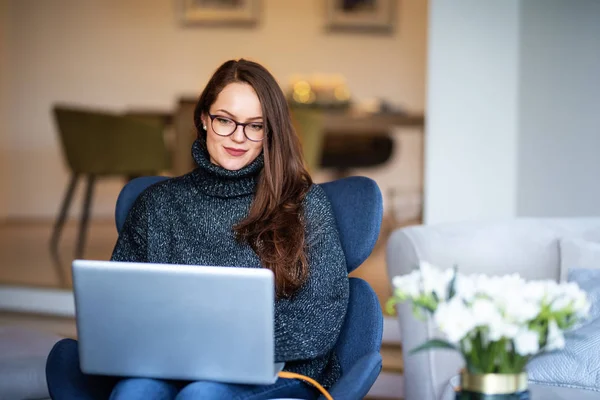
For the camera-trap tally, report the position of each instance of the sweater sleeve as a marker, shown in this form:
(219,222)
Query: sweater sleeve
(308,324)
(132,244)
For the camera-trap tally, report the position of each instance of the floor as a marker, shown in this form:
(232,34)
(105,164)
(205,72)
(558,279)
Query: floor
(25,256)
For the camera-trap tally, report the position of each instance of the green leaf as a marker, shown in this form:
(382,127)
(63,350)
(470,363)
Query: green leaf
(390,306)
(427,303)
(418,312)
(434,344)
(452,288)
(520,364)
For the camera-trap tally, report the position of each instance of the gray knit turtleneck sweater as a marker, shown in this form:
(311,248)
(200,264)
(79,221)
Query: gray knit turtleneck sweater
(189,220)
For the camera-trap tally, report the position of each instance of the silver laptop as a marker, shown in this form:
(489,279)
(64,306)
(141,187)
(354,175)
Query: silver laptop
(178,322)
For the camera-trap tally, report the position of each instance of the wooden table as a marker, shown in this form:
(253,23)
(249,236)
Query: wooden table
(345,123)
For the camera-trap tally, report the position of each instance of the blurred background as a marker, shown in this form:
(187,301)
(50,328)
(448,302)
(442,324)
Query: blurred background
(83,82)
(354,72)
(461,110)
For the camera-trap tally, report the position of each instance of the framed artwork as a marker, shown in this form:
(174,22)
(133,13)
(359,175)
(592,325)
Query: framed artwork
(361,15)
(219,12)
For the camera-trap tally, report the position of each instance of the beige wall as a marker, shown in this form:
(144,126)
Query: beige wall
(4,73)
(115,54)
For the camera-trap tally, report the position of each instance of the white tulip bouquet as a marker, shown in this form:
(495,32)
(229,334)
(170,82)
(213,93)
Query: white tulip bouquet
(497,323)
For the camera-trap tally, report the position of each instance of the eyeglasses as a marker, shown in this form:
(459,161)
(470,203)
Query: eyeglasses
(223,126)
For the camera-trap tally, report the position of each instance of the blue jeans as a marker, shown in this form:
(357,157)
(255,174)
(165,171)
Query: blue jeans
(66,381)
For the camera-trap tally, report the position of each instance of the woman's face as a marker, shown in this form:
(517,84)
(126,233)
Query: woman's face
(237,103)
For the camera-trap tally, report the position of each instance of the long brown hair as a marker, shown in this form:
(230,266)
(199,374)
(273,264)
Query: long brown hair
(274,227)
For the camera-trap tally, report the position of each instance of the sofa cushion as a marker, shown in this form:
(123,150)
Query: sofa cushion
(23,354)
(578,364)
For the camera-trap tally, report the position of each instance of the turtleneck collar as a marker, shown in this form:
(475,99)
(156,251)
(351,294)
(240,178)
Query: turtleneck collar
(220,182)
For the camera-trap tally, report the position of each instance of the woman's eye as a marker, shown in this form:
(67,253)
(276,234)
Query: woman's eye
(256,127)
(224,121)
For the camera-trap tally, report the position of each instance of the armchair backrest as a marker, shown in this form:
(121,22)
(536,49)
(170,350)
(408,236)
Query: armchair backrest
(130,193)
(358,208)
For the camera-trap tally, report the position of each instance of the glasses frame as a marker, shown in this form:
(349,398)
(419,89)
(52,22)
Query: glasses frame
(242,124)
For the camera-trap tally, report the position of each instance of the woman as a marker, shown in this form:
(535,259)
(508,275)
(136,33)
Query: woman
(250,202)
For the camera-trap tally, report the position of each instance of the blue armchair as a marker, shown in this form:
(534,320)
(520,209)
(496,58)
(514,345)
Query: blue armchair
(358,208)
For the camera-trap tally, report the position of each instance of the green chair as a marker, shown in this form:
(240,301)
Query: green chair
(309,128)
(99,144)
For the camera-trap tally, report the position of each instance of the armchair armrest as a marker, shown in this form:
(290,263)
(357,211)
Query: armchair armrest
(355,383)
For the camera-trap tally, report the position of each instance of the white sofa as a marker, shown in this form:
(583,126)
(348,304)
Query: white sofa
(529,247)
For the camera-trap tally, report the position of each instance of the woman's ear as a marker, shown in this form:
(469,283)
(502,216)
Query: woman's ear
(204,119)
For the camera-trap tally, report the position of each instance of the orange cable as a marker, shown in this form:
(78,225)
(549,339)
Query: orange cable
(292,375)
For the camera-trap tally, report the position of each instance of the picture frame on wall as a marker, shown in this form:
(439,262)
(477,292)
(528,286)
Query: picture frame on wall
(360,15)
(219,12)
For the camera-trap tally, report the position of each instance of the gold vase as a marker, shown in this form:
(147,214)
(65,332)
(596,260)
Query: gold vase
(493,386)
